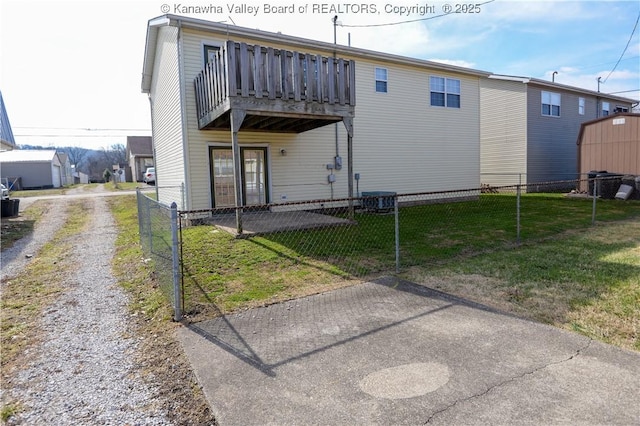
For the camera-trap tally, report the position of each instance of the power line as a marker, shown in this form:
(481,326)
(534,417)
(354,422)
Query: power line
(388,24)
(624,91)
(607,63)
(625,48)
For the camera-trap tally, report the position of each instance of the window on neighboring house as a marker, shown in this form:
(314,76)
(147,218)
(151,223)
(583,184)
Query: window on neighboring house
(581,106)
(620,108)
(551,104)
(210,52)
(445,92)
(381,80)
(605,109)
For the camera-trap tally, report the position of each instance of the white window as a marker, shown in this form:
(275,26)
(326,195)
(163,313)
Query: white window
(605,109)
(620,108)
(445,92)
(210,52)
(551,104)
(581,106)
(381,80)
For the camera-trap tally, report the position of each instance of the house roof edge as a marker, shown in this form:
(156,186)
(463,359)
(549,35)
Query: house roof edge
(599,119)
(555,85)
(231,30)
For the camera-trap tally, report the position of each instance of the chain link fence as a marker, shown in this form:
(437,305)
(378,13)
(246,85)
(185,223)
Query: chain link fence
(210,262)
(158,226)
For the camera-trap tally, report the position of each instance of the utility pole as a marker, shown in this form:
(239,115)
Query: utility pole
(598,100)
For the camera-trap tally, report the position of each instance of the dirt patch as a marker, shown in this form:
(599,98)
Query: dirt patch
(164,363)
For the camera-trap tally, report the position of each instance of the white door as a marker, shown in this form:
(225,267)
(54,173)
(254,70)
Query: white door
(57,176)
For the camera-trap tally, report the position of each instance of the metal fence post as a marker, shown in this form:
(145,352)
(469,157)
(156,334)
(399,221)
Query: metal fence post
(397,231)
(518,191)
(593,208)
(149,225)
(140,218)
(177,295)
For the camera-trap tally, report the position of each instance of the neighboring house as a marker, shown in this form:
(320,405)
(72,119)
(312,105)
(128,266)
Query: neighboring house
(79,177)
(610,144)
(282,112)
(529,127)
(7,141)
(139,155)
(66,171)
(32,169)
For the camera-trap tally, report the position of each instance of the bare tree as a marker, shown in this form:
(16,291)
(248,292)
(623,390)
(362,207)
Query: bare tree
(76,154)
(116,154)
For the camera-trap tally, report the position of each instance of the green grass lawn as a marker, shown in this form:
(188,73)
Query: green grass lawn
(586,281)
(223,273)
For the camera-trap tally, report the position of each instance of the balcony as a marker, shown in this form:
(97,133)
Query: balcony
(278,90)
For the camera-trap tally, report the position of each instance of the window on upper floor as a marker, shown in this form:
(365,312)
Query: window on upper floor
(445,92)
(551,104)
(581,106)
(210,52)
(620,108)
(605,108)
(381,80)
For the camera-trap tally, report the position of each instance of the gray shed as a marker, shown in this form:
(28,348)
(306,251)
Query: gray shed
(31,169)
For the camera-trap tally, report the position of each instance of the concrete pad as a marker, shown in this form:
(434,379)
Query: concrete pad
(264,222)
(391,352)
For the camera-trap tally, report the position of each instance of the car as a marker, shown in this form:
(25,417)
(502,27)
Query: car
(5,192)
(150,176)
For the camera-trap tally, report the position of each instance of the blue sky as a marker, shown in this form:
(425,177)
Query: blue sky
(70,66)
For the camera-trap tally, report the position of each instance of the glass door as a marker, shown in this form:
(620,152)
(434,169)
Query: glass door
(222,174)
(254,176)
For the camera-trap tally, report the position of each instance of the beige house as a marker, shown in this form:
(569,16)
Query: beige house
(139,155)
(299,119)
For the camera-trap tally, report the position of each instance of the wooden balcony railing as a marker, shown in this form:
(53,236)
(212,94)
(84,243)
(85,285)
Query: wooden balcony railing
(268,80)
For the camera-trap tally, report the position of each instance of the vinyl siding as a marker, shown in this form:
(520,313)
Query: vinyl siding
(34,175)
(166,117)
(503,131)
(551,150)
(300,175)
(403,144)
(400,143)
(614,148)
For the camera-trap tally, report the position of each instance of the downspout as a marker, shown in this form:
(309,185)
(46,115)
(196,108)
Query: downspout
(153,142)
(337,163)
(186,203)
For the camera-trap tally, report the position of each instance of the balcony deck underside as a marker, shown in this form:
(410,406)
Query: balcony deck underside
(275,115)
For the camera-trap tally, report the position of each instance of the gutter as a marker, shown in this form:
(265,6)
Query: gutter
(303,43)
(558,86)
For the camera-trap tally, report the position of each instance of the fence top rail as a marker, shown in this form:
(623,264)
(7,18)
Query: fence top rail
(340,202)
(151,200)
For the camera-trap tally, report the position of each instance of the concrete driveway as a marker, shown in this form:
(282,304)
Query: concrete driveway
(391,352)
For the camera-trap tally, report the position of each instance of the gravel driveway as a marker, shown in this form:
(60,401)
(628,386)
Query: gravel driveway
(82,372)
